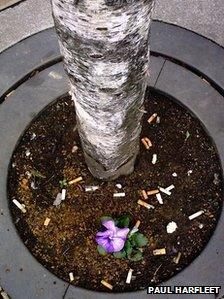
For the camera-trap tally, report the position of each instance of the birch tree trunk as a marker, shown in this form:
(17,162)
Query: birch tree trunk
(106,55)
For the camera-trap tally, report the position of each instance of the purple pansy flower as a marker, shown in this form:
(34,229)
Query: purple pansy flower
(112,239)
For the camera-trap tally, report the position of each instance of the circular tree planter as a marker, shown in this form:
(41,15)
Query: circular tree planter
(178,79)
(49,157)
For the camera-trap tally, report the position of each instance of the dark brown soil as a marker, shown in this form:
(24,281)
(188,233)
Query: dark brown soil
(67,244)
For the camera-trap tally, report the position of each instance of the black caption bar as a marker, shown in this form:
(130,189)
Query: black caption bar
(184,290)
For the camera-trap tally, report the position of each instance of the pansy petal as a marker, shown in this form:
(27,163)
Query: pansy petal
(102,242)
(118,244)
(122,232)
(109,224)
(105,234)
(109,248)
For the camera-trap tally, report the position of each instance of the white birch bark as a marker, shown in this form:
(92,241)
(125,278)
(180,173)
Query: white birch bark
(106,55)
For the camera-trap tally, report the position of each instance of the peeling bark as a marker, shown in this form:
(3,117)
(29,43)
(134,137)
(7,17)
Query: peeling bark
(105,48)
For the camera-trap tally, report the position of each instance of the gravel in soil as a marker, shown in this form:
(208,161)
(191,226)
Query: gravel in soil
(50,151)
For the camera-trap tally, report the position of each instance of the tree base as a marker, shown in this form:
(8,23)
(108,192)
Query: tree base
(99,172)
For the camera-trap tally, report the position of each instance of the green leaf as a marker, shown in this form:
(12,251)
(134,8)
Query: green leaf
(123,221)
(120,254)
(101,250)
(128,248)
(63,183)
(137,256)
(105,218)
(139,239)
(36,173)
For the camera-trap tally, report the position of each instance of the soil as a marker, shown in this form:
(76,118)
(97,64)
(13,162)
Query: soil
(67,244)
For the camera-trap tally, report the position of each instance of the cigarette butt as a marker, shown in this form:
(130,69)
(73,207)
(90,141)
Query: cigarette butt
(129,276)
(122,194)
(19,205)
(143,110)
(152,117)
(91,188)
(145,204)
(164,190)
(119,186)
(71,276)
(4,295)
(107,285)
(10,93)
(160,251)
(195,215)
(135,228)
(63,193)
(170,187)
(152,192)
(137,224)
(176,259)
(47,221)
(144,194)
(159,198)
(79,179)
(154,158)
(146,142)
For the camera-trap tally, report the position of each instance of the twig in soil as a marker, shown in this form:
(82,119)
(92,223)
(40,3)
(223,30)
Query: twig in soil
(144,194)
(79,179)
(122,194)
(145,204)
(36,173)
(152,117)
(47,221)
(152,192)
(66,250)
(155,273)
(48,180)
(19,205)
(154,158)
(159,198)
(129,276)
(107,285)
(176,259)
(71,276)
(160,251)
(146,142)
(195,215)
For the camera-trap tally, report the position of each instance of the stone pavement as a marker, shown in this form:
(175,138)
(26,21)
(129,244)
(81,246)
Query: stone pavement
(31,16)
